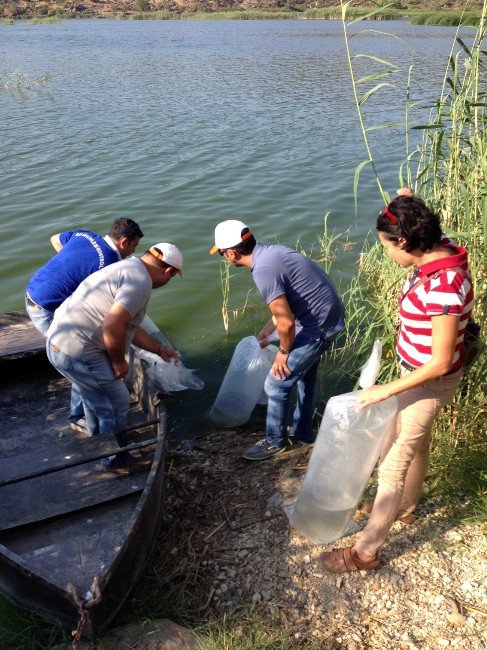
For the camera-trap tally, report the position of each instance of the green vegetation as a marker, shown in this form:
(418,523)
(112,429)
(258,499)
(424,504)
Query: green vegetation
(448,170)
(44,20)
(22,630)
(446,18)
(426,12)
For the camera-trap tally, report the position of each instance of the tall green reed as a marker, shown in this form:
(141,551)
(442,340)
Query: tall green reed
(449,171)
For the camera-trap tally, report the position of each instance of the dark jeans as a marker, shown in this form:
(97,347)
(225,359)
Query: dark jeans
(303,362)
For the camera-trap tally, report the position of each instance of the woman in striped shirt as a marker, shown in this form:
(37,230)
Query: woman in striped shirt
(434,308)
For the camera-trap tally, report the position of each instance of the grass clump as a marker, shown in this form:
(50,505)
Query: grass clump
(44,20)
(245,630)
(446,18)
(23,630)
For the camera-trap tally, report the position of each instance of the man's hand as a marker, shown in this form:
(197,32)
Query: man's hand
(372,395)
(266,331)
(166,353)
(279,367)
(120,368)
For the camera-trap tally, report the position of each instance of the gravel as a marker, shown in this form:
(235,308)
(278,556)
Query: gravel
(428,593)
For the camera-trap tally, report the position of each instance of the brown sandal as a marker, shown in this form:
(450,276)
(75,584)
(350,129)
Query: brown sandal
(341,560)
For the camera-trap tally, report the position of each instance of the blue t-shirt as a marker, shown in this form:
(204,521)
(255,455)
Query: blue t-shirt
(281,271)
(82,253)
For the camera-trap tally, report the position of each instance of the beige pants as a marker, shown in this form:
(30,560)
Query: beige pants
(404,458)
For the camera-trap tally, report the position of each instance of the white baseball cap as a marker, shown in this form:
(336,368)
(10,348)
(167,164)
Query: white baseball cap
(230,233)
(169,254)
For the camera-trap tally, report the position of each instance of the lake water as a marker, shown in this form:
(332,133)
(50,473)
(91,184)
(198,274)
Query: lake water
(181,124)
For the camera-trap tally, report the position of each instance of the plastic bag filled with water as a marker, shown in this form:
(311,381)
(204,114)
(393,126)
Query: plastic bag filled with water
(243,383)
(346,451)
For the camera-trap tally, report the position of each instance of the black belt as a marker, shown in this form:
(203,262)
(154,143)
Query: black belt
(411,368)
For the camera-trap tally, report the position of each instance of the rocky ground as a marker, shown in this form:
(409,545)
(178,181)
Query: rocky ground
(225,521)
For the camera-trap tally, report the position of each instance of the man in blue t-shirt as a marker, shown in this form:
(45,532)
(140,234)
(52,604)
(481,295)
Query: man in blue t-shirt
(295,289)
(79,254)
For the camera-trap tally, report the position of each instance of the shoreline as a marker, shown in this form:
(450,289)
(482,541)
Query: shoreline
(449,18)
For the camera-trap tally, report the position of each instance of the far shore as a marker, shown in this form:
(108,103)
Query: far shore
(417,17)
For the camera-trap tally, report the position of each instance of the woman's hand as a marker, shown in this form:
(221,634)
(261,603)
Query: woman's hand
(372,395)
(405,191)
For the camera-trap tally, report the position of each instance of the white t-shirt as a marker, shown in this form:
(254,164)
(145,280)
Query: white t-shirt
(77,325)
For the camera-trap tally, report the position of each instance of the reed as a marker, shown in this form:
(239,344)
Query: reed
(244,14)
(446,18)
(44,20)
(19,82)
(448,170)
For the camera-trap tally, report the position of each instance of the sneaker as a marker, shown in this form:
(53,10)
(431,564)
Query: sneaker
(119,460)
(125,463)
(262,450)
(304,443)
(80,426)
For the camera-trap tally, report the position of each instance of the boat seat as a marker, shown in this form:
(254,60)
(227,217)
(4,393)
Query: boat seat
(19,337)
(73,479)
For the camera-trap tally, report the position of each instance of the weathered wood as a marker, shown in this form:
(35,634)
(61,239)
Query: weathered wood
(65,455)
(18,337)
(99,525)
(63,492)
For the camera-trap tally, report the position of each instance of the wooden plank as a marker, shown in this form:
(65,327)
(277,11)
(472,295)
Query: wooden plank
(19,337)
(66,454)
(63,492)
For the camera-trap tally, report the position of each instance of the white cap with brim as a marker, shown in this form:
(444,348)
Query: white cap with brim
(230,233)
(169,254)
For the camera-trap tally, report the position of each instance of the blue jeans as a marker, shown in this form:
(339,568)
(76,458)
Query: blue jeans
(42,319)
(303,362)
(106,399)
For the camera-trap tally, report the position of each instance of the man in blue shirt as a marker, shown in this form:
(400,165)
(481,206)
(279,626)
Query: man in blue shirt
(294,288)
(79,254)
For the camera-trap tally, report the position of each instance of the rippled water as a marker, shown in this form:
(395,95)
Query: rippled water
(181,124)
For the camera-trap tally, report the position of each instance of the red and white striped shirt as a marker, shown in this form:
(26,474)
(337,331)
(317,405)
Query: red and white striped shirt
(450,292)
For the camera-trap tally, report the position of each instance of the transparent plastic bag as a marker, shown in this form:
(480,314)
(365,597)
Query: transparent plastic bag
(169,376)
(165,376)
(243,383)
(347,448)
(370,370)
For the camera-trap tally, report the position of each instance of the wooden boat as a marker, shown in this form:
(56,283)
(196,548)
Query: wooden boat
(73,537)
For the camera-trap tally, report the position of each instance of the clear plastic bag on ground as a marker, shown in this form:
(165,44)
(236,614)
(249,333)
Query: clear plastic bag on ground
(347,448)
(243,383)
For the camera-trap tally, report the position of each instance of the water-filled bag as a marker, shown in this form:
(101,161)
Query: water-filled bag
(243,383)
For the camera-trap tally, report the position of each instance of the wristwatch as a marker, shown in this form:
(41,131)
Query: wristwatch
(282,350)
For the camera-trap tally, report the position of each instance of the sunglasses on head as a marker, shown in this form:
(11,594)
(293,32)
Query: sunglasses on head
(387,213)
(222,251)
(131,230)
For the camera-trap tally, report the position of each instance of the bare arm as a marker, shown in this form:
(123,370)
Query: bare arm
(56,244)
(266,331)
(114,329)
(445,332)
(144,340)
(284,320)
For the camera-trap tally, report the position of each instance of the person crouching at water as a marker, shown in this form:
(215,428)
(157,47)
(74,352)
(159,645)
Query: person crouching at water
(89,338)
(294,288)
(435,305)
